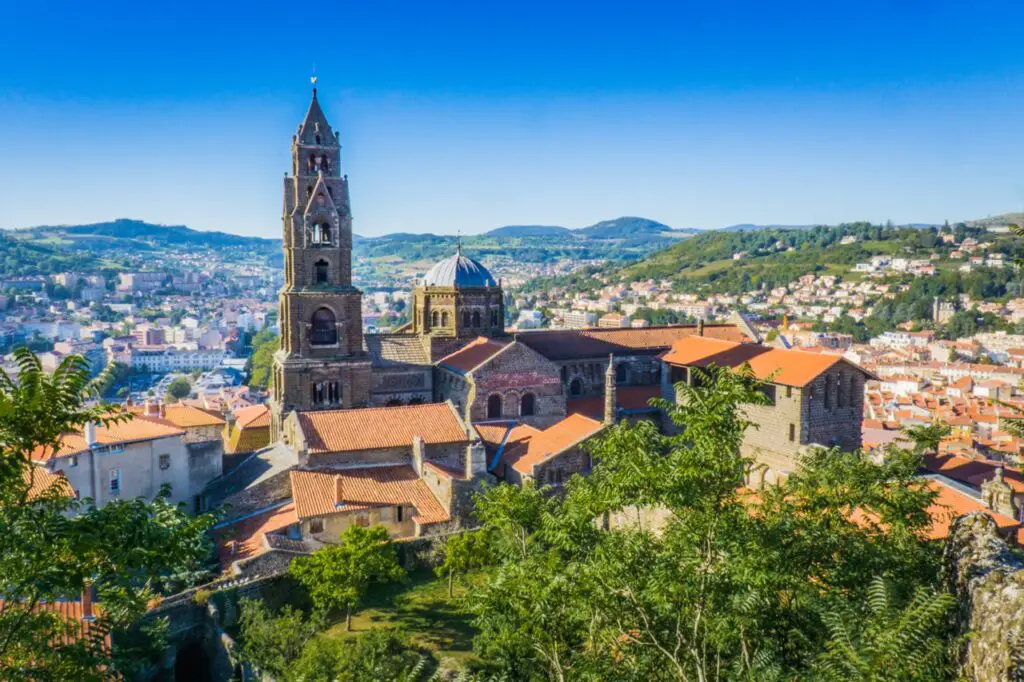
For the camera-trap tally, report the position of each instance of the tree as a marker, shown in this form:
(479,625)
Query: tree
(338,576)
(179,388)
(462,552)
(701,579)
(273,643)
(54,546)
(265,344)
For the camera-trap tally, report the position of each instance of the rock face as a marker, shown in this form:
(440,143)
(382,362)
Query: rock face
(988,582)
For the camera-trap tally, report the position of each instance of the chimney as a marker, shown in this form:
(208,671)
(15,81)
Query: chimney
(417,454)
(87,613)
(700,326)
(339,489)
(609,392)
(129,403)
(90,433)
(162,411)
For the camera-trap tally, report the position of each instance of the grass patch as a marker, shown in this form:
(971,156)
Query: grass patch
(423,610)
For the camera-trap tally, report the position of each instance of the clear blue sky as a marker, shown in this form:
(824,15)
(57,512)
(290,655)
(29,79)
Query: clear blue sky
(470,115)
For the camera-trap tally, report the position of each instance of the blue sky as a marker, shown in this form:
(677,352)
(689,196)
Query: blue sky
(471,115)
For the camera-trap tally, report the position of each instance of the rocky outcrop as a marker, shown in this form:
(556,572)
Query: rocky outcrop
(988,582)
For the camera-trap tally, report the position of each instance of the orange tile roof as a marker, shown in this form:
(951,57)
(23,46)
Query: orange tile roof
(40,480)
(473,354)
(973,472)
(71,611)
(950,503)
(374,428)
(626,397)
(244,538)
(180,415)
(324,491)
(133,430)
(555,439)
(254,415)
(789,367)
(563,344)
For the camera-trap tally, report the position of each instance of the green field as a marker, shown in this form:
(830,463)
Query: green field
(423,610)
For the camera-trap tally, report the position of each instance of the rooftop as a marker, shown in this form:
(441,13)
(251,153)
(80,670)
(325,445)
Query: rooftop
(374,428)
(323,492)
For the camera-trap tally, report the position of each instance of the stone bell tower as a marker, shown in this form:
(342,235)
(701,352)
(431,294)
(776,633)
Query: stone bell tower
(321,363)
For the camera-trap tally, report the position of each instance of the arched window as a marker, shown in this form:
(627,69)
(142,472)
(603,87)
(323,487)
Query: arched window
(576,387)
(322,233)
(620,373)
(435,319)
(494,407)
(476,318)
(526,405)
(317,396)
(334,393)
(318,139)
(444,320)
(321,271)
(312,165)
(325,164)
(494,318)
(325,328)
(465,318)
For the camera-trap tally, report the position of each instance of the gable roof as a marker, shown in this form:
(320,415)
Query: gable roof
(252,416)
(322,492)
(375,428)
(181,415)
(473,354)
(135,430)
(557,438)
(778,365)
(41,481)
(565,344)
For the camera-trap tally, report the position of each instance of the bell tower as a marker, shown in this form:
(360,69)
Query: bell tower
(321,363)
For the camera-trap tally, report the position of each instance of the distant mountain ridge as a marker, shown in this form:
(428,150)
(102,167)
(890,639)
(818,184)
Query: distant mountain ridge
(626,227)
(130,230)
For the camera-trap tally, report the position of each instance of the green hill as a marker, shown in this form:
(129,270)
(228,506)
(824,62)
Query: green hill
(138,234)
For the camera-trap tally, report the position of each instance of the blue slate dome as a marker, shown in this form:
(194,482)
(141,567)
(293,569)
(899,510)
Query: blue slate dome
(459,271)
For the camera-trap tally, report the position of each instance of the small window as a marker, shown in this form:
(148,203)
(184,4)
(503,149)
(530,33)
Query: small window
(399,513)
(435,319)
(318,139)
(526,405)
(494,407)
(73,461)
(444,320)
(792,433)
(576,387)
(476,318)
(115,481)
(334,392)
(316,525)
(321,267)
(363,520)
(165,461)
(789,391)
(494,318)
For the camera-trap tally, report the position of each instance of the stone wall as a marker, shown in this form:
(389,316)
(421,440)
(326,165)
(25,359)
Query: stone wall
(511,374)
(988,582)
(588,373)
(205,463)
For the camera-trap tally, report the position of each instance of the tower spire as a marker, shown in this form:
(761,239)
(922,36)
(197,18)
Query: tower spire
(458,243)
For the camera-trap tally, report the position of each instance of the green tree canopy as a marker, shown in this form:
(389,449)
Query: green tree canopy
(54,547)
(337,576)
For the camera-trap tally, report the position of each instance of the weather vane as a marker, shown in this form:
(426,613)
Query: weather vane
(312,79)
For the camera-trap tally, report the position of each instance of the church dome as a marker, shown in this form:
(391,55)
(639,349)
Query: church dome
(459,271)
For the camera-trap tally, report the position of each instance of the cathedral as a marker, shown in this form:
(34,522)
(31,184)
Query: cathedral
(399,429)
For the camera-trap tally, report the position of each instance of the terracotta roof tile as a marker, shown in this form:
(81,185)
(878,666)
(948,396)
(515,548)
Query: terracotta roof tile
(473,354)
(626,397)
(373,428)
(555,439)
(563,344)
(133,430)
(950,503)
(40,480)
(254,415)
(322,492)
(789,367)
(181,415)
(244,538)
